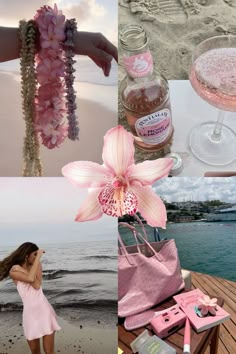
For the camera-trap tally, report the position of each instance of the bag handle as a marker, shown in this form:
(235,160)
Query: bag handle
(133,227)
(135,234)
(124,249)
(155,253)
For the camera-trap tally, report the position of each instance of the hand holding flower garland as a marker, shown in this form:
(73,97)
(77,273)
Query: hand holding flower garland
(51,96)
(44,106)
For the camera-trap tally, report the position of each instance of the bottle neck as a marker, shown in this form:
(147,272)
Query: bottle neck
(138,63)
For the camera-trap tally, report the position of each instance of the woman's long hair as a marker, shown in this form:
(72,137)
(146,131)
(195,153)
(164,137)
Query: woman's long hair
(16,257)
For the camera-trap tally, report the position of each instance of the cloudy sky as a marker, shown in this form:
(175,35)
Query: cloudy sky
(91,15)
(192,188)
(43,210)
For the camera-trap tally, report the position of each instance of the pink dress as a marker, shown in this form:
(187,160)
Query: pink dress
(39,318)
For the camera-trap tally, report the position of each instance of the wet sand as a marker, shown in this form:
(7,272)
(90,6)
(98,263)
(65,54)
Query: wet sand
(71,339)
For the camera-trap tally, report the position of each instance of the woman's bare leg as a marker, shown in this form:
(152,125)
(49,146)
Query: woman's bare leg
(34,346)
(48,344)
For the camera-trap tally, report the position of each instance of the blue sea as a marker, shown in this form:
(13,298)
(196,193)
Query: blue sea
(205,247)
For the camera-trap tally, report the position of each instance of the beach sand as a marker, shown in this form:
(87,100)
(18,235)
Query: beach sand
(95,118)
(175,27)
(71,339)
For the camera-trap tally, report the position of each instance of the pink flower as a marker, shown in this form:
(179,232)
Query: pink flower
(207,305)
(120,186)
(51,26)
(53,137)
(50,89)
(49,70)
(51,37)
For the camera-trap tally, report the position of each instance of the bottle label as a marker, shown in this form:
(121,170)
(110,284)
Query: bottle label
(155,127)
(138,65)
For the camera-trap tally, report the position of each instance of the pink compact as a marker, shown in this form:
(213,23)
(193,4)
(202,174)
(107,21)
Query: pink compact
(168,322)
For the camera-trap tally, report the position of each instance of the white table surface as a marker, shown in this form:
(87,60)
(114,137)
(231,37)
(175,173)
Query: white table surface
(189,110)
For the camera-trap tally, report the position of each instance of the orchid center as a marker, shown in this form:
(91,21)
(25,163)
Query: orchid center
(119,182)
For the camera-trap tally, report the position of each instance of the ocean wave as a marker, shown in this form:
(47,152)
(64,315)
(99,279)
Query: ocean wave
(110,305)
(59,273)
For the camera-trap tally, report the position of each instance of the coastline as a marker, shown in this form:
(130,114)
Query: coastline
(70,339)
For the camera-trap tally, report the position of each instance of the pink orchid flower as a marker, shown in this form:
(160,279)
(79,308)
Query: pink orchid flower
(207,305)
(119,186)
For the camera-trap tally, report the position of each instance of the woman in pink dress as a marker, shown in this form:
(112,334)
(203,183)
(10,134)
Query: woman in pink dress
(39,318)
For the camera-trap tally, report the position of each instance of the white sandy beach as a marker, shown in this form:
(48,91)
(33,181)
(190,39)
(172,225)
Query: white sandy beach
(97,113)
(71,339)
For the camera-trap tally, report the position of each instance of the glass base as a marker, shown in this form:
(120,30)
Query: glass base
(218,153)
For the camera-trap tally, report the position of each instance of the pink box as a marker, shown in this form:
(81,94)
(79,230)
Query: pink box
(169,322)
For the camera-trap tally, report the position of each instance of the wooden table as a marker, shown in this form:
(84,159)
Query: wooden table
(199,341)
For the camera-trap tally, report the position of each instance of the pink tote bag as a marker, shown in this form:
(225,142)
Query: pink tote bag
(146,277)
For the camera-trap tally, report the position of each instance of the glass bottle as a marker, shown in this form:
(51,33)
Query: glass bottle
(144,92)
(145,344)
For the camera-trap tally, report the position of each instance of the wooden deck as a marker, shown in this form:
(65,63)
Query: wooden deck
(213,286)
(227,290)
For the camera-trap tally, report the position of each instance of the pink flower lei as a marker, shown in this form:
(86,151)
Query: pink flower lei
(50,71)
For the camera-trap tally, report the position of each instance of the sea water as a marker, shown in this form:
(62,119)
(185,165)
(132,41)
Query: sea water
(79,280)
(205,247)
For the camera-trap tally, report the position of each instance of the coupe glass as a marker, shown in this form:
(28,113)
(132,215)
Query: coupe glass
(213,77)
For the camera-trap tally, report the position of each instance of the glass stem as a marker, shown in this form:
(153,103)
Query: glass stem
(216,134)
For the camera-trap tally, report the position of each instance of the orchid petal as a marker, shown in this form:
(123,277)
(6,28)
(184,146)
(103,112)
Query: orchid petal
(150,206)
(118,150)
(86,174)
(90,208)
(118,201)
(149,172)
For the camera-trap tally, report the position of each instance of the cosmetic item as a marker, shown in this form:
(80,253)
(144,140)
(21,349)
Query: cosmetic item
(178,166)
(169,322)
(186,349)
(145,344)
(144,92)
(143,319)
(220,174)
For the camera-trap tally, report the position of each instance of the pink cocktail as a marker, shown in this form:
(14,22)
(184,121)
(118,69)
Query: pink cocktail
(213,77)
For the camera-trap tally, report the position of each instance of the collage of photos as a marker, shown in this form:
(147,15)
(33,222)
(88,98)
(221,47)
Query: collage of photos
(118,177)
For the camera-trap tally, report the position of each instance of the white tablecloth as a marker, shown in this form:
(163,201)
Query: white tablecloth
(189,110)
